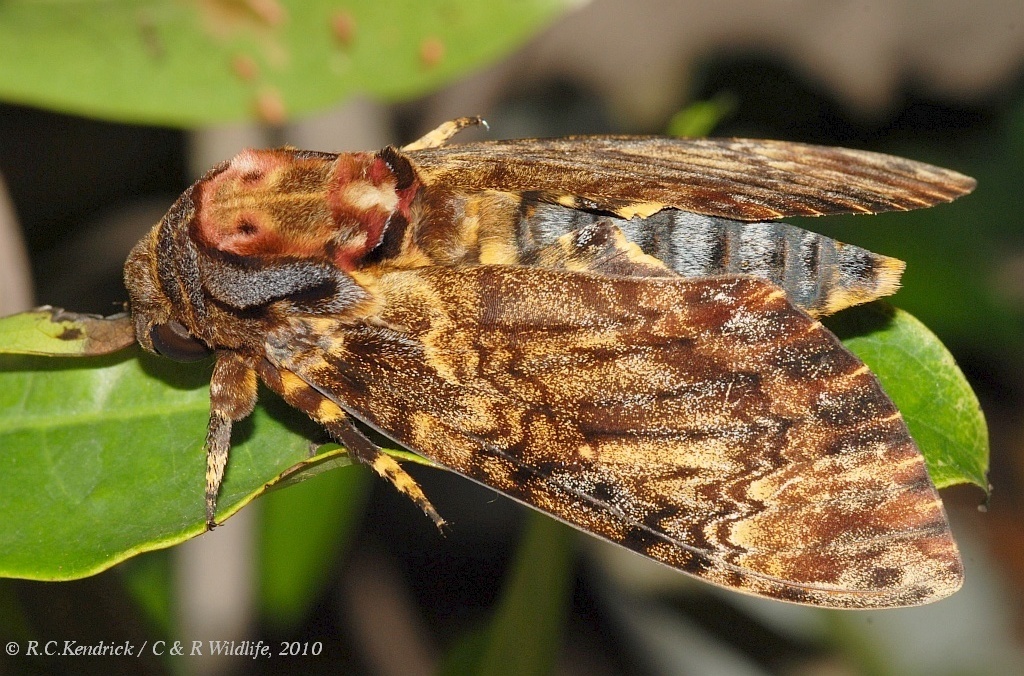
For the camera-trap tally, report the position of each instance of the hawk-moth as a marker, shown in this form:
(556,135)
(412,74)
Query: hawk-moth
(609,329)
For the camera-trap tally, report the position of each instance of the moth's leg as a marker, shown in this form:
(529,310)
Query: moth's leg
(232,397)
(383,464)
(442,134)
(299,394)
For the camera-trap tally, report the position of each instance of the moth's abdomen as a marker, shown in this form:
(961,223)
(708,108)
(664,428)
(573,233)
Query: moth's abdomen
(819,274)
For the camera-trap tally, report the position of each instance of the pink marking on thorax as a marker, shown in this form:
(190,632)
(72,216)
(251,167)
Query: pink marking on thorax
(243,231)
(363,196)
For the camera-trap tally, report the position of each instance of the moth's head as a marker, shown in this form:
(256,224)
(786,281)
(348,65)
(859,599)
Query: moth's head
(189,295)
(162,287)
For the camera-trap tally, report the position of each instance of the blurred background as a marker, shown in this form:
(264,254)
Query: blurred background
(112,108)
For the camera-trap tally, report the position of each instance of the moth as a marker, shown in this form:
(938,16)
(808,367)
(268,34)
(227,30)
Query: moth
(613,330)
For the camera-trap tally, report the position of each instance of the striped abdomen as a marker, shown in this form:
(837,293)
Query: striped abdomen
(819,274)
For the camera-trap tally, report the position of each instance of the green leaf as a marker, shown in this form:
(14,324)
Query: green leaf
(195,63)
(52,331)
(524,636)
(922,378)
(102,458)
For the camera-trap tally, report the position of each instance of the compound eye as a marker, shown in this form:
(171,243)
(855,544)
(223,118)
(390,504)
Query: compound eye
(172,340)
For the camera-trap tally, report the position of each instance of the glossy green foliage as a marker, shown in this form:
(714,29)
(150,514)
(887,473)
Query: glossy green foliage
(194,63)
(102,459)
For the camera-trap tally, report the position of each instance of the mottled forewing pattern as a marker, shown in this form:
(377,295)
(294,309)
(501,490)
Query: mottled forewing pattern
(741,179)
(707,424)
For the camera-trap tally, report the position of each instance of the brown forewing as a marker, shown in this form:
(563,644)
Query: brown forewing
(705,423)
(740,179)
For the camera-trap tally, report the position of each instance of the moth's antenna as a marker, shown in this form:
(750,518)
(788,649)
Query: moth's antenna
(441,135)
